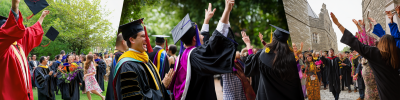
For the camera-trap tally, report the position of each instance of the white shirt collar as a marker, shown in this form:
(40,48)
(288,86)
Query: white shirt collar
(158,46)
(130,49)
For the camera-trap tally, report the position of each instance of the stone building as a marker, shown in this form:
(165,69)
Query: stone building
(376,10)
(315,31)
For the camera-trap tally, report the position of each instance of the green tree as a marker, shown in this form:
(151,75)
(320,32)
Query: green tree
(81,24)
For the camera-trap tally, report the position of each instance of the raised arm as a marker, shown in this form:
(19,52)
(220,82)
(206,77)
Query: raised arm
(223,25)
(205,29)
(34,34)
(348,38)
(15,5)
(378,30)
(358,26)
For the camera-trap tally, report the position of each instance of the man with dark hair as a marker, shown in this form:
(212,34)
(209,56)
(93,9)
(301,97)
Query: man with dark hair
(44,78)
(332,70)
(159,56)
(135,76)
(54,68)
(120,48)
(100,70)
(33,64)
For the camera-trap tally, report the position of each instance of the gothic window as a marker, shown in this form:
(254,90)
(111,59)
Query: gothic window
(315,37)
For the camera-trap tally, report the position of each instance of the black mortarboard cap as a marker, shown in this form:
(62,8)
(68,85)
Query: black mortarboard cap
(281,34)
(2,20)
(36,5)
(52,33)
(183,27)
(131,28)
(346,52)
(160,38)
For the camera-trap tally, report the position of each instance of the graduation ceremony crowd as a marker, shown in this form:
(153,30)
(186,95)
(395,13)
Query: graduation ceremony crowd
(137,71)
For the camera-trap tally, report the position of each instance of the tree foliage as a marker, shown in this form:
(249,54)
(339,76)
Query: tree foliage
(81,24)
(251,16)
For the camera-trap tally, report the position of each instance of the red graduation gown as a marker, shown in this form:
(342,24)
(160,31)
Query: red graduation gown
(15,81)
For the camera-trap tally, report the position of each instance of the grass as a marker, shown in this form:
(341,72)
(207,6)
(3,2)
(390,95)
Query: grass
(83,96)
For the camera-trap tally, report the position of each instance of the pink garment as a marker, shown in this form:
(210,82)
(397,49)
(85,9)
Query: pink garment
(90,81)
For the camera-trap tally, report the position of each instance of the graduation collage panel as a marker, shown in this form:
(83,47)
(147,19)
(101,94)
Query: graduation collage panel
(136,49)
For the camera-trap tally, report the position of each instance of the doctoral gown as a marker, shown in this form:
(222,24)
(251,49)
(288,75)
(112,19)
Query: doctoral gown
(15,81)
(100,72)
(54,68)
(346,72)
(110,88)
(387,78)
(332,70)
(136,80)
(271,85)
(194,70)
(70,91)
(159,58)
(44,83)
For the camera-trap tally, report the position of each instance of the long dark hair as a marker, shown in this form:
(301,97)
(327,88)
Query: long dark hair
(282,57)
(89,61)
(388,50)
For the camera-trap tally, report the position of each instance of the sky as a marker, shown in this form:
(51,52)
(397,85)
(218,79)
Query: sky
(115,7)
(344,10)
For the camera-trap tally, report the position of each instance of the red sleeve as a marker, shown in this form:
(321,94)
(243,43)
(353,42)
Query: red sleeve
(10,32)
(33,37)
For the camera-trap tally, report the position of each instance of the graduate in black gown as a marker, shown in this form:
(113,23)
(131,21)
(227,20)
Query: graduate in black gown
(276,65)
(120,48)
(197,63)
(69,91)
(100,70)
(159,55)
(54,68)
(332,69)
(44,78)
(383,60)
(345,67)
(135,77)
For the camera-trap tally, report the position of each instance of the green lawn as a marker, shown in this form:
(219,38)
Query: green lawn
(83,96)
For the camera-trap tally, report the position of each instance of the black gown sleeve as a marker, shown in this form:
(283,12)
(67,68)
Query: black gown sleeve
(42,79)
(364,50)
(252,64)
(102,67)
(206,36)
(215,56)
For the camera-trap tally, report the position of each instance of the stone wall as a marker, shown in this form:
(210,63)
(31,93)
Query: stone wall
(302,26)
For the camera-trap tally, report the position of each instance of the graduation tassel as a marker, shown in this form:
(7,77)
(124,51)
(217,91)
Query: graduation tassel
(149,49)
(166,44)
(29,17)
(270,40)
(46,45)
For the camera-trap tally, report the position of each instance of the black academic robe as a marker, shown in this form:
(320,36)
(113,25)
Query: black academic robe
(70,91)
(332,70)
(54,68)
(322,71)
(100,72)
(346,73)
(360,80)
(138,81)
(216,56)
(110,89)
(152,57)
(386,77)
(271,85)
(44,83)
(32,65)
